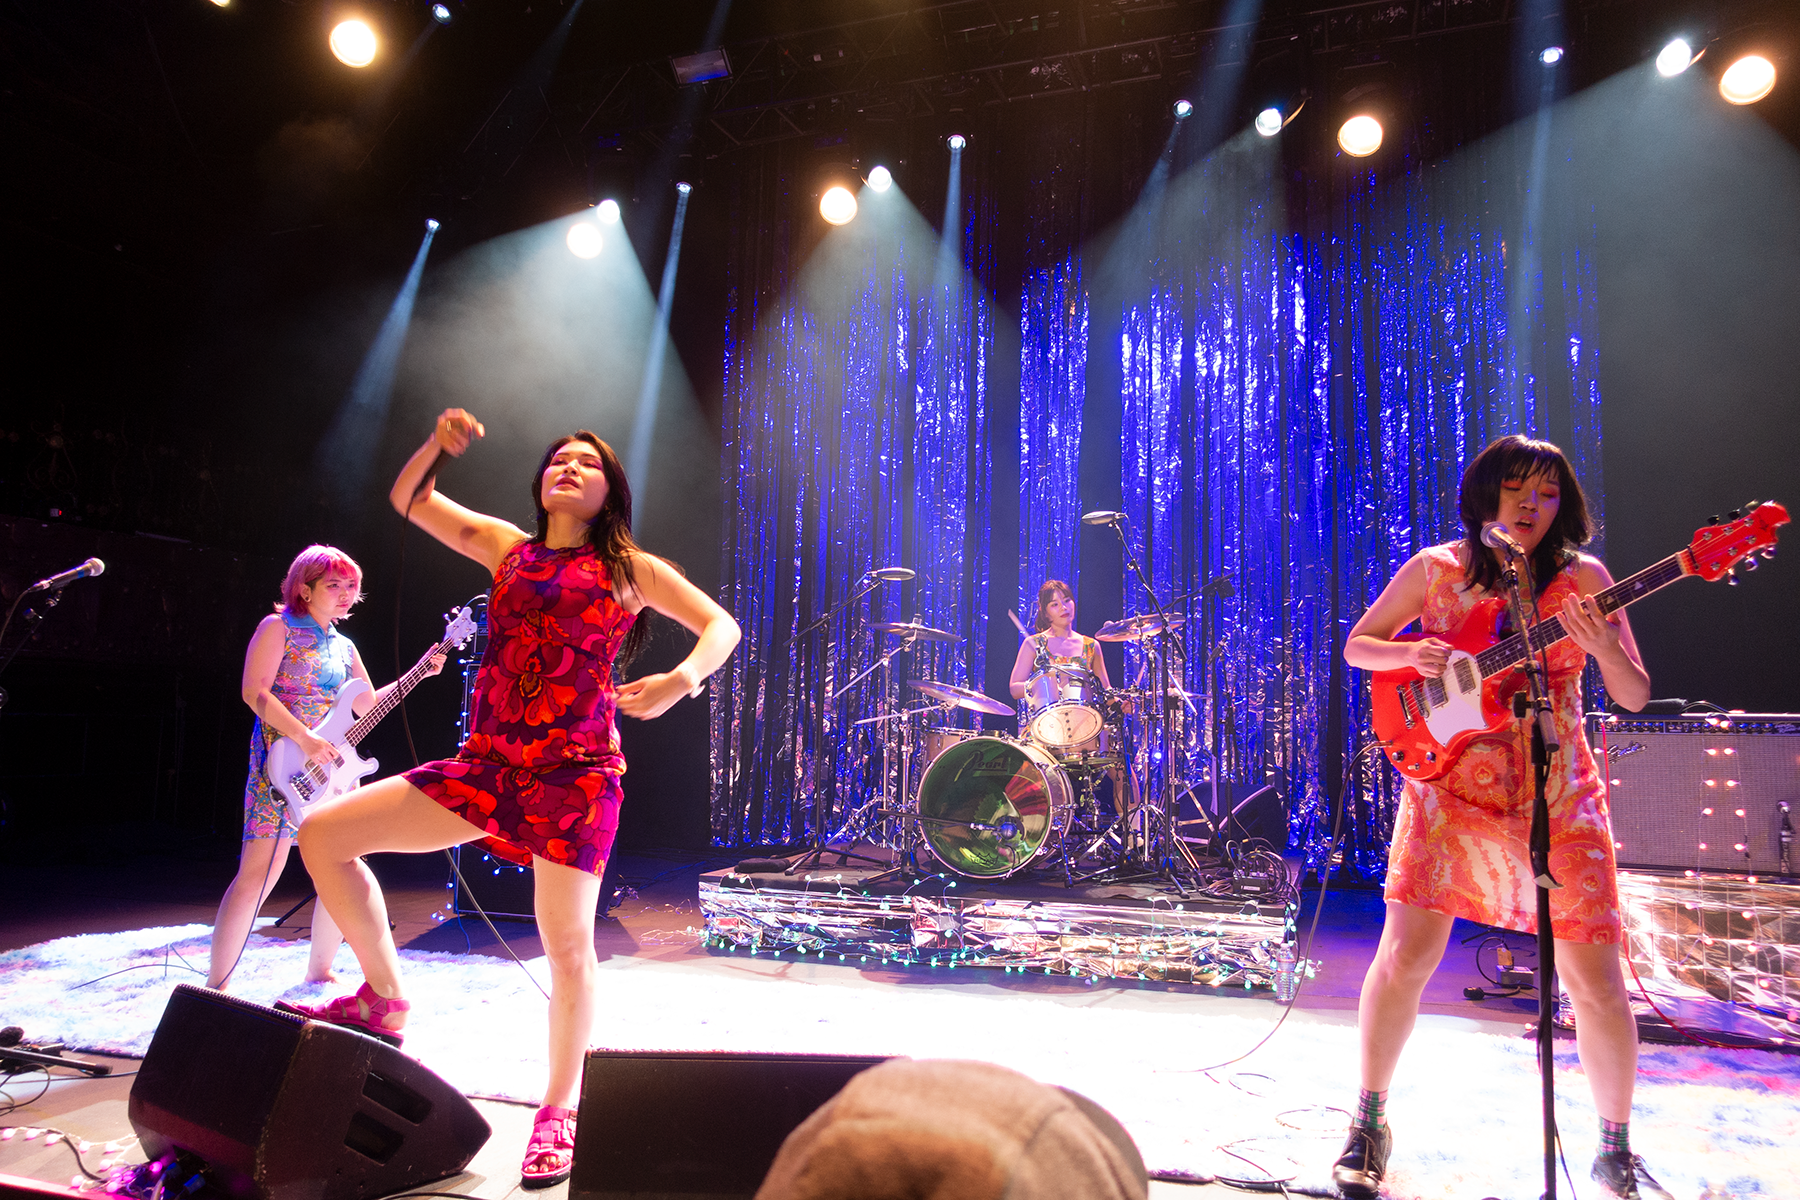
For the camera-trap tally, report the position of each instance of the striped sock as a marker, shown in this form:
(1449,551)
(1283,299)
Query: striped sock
(1615,1137)
(1371,1110)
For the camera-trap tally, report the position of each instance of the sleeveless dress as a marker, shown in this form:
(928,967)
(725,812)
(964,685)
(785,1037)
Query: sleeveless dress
(1460,844)
(314,665)
(539,772)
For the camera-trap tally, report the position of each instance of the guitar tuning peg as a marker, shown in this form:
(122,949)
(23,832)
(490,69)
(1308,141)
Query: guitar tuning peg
(1751,563)
(1713,520)
(1731,578)
(1768,552)
(1734,514)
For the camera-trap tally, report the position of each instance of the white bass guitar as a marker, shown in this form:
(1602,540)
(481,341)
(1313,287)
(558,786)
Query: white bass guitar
(304,785)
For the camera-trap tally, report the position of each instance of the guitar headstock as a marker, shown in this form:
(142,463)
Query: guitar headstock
(1719,547)
(461,627)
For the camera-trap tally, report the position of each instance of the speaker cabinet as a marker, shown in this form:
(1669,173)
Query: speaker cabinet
(1717,793)
(282,1108)
(693,1126)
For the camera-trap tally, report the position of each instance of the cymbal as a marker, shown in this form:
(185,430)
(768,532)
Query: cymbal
(961,696)
(1130,628)
(914,629)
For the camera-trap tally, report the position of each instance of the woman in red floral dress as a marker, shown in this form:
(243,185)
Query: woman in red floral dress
(537,781)
(1460,842)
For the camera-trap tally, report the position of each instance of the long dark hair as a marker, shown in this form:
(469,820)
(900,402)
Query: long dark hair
(1516,457)
(1045,594)
(609,534)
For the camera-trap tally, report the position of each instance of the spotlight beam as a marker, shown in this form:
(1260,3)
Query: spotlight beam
(643,428)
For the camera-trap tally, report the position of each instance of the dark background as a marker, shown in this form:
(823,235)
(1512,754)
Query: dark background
(206,218)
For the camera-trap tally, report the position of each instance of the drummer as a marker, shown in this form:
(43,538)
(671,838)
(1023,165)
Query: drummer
(1056,644)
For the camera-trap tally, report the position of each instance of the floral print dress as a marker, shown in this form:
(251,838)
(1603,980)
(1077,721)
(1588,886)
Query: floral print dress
(1460,844)
(315,663)
(540,771)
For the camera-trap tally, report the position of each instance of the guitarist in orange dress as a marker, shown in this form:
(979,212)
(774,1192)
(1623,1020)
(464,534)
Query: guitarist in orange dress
(1459,847)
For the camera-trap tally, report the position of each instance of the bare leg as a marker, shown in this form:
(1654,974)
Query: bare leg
(1605,1031)
(566,900)
(259,869)
(1412,945)
(326,938)
(392,816)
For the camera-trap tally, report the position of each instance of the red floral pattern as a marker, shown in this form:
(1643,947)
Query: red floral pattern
(1459,843)
(539,772)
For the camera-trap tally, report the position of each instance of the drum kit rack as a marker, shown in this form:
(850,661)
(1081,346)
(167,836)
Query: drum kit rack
(1063,797)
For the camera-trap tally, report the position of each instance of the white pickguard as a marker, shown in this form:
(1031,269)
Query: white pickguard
(1461,709)
(288,767)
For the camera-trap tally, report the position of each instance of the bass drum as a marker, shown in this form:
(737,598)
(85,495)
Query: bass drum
(990,806)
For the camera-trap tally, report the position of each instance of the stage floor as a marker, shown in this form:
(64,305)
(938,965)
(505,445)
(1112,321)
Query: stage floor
(661,924)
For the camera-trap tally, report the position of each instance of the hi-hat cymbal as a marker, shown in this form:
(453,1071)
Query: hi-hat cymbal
(914,629)
(961,696)
(1131,628)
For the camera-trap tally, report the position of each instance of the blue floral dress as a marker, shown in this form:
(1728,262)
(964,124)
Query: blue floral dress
(314,666)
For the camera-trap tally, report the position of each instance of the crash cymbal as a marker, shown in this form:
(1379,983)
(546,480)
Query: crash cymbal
(961,696)
(1130,628)
(914,629)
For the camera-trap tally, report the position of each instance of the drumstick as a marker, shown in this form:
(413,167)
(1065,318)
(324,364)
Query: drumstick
(1023,632)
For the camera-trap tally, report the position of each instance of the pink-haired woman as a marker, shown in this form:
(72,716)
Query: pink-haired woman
(296,664)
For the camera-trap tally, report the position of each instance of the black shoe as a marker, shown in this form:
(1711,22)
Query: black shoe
(1359,1169)
(1623,1174)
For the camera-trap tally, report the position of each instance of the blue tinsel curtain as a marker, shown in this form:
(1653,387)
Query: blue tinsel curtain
(1297,404)
(855,437)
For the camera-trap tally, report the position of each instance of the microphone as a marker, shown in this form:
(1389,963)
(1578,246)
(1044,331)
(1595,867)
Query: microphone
(1102,516)
(893,574)
(1495,537)
(91,567)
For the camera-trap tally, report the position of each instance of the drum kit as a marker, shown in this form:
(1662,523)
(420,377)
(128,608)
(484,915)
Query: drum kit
(1064,793)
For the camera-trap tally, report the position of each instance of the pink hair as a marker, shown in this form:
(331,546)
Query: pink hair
(311,565)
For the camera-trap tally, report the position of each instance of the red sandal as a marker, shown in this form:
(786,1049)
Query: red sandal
(551,1154)
(347,1011)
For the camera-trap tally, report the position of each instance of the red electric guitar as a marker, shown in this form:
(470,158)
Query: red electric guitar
(1425,723)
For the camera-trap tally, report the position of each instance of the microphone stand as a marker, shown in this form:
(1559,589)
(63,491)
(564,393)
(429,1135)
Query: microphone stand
(1544,744)
(1164,858)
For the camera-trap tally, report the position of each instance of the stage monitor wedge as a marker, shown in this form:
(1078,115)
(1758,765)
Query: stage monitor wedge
(694,1126)
(282,1108)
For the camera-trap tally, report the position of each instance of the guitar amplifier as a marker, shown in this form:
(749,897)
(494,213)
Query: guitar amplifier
(1717,793)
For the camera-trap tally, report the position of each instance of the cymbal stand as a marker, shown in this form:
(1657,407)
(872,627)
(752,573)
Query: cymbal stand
(891,764)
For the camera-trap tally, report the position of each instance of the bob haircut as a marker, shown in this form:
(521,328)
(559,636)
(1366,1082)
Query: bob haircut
(609,534)
(311,565)
(1047,593)
(1515,457)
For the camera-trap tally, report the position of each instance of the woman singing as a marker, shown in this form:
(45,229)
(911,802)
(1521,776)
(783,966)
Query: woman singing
(296,663)
(537,781)
(1460,842)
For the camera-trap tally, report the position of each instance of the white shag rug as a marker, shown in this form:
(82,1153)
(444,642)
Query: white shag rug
(1712,1123)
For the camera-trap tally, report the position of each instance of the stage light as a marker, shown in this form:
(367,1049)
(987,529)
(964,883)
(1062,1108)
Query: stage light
(956,141)
(1268,121)
(609,211)
(1183,110)
(354,43)
(1674,59)
(1747,80)
(584,240)
(440,13)
(881,179)
(1360,136)
(431,225)
(684,187)
(838,206)
(222,3)
(1551,55)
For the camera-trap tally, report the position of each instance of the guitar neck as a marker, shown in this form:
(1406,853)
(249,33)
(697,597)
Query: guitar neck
(385,705)
(1509,652)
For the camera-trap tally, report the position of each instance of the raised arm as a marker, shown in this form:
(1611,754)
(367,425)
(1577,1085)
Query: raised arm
(478,536)
(661,587)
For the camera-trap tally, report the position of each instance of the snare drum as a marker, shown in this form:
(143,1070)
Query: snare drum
(990,806)
(1062,707)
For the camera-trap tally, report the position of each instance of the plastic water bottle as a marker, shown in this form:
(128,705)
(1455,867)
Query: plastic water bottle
(1287,982)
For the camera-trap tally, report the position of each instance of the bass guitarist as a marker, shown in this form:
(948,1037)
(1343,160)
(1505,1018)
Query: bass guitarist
(296,663)
(1459,846)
